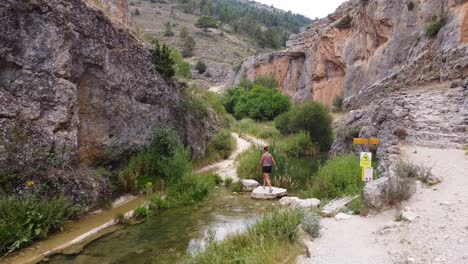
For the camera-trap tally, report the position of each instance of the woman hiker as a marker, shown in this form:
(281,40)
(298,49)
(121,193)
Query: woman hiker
(267,161)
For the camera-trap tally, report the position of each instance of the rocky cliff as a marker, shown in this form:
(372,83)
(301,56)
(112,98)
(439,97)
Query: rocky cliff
(77,88)
(399,84)
(116,9)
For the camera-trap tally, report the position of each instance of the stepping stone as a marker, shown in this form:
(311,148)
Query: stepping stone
(264,193)
(249,185)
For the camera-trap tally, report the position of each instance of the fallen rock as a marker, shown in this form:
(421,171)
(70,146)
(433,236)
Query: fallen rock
(305,203)
(409,216)
(249,185)
(264,193)
(342,216)
(288,200)
(375,193)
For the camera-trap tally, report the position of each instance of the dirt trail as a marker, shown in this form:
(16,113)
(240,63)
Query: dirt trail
(438,235)
(227,168)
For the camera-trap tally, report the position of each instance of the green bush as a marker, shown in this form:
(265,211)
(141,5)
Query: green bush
(141,212)
(228,182)
(261,104)
(121,219)
(433,28)
(337,104)
(162,61)
(311,223)
(182,68)
(312,118)
(246,84)
(158,202)
(272,239)
(231,98)
(200,66)
(25,219)
(297,145)
(191,189)
(339,176)
(223,143)
(156,163)
(267,81)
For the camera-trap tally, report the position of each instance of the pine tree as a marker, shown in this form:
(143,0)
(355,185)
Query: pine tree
(184,33)
(189,47)
(168,32)
(162,61)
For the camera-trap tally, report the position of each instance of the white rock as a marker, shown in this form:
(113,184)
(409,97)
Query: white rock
(446,203)
(305,203)
(342,216)
(264,193)
(287,200)
(409,216)
(410,261)
(249,185)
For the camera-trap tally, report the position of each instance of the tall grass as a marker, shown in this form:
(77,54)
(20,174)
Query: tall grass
(25,219)
(297,145)
(273,239)
(264,130)
(340,175)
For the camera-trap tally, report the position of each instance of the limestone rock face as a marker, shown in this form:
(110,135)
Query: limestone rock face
(75,87)
(117,9)
(381,49)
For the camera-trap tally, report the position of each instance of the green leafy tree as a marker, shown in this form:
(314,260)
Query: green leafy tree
(232,97)
(189,47)
(206,22)
(313,118)
(261,103)
(162,61)
(200,67)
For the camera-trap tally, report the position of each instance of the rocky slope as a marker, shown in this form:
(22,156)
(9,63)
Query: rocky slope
(78,88)
(398,83)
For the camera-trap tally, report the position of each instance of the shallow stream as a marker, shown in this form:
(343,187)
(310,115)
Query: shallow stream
(172,235)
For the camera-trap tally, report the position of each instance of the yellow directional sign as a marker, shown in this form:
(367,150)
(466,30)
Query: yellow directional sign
(366,159)
(366,141)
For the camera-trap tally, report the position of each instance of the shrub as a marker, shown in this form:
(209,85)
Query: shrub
(25,219)
(121,219)
(280,224)
(157,202)
(156,163)
(237,187)
(337,104)
(141,212)
(184,33)
(311,223)
(246,84)
(267,81)
(433,28)
(297,145)
(206,22)
(228,181)
(344,22)
(136,12)
(182,68)
(415,172)
(162,61)
(358,206)
(231,98)
(261,104)
(400,132)
(191,189)
(200,66)
(223,143)
(410,5)
(340,175)
(312,118)
(189,47)
(168,32)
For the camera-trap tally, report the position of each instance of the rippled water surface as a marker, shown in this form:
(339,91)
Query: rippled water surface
(169,236)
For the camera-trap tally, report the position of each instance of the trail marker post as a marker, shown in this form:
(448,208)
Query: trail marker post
(365,158)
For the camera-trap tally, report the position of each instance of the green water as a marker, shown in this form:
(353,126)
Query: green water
(170,236)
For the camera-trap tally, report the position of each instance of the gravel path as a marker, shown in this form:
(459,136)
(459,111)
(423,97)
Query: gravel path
(438,235)
(227,168)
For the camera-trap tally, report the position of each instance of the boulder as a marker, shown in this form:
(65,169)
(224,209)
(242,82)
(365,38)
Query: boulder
(375,193)
(295,202)
(249,185)
(342,216)
(264,193)
(409,216)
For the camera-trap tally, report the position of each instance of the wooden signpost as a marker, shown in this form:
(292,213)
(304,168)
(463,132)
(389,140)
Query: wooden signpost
(365,158)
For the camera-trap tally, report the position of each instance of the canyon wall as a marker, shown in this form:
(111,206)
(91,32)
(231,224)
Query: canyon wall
(116,9)
(78,88)
(333,57)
